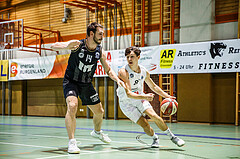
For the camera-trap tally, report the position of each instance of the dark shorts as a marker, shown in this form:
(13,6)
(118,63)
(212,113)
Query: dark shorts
(85,91)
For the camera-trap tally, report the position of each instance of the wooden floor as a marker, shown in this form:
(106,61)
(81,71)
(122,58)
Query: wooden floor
(46,138)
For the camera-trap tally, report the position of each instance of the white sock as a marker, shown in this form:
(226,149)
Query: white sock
(97,132)
(155,136)
(169,133)
(72,140)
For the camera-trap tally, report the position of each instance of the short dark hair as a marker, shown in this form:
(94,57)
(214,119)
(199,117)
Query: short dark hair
(93,27)
(136,50)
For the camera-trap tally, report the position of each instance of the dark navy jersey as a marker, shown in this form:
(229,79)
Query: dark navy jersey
(82,63)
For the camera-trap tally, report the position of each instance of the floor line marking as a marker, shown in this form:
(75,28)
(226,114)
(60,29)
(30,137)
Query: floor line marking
(67,138)
(9,143)
(124,131)
(79,154)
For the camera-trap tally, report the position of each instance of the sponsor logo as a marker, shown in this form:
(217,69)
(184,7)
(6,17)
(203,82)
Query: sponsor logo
(216,49)
(85,68)
(233,50)
(2,70)
(218,66)
(167,58)
(97,55)
(71,93)
(94,98)
(13,69)
(81,54)
(192,53)
(131,75)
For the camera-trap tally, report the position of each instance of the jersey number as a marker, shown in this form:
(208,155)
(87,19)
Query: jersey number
(84,68)
(136,82)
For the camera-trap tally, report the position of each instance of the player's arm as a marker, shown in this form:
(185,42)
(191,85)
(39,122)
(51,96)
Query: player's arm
(124,76)
(109,70)
(69,45)
(155,88)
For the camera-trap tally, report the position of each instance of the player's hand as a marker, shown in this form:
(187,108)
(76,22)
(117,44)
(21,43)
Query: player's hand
(73,44)
(172,97)
(121,83)
(149,96)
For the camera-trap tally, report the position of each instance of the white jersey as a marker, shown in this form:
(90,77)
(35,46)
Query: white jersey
(136,82)
(133,108)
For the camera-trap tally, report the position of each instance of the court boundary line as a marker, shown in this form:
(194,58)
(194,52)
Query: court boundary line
(124,131)
(17,144)
(62,137)
(78,154)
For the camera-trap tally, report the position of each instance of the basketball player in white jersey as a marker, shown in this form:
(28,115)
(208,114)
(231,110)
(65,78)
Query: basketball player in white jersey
(134,103)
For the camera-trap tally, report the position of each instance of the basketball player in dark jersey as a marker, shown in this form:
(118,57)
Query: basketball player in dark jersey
(81,67)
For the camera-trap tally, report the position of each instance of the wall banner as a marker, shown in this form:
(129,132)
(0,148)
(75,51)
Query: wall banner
(4,70)
(203,57)
(30,68)
(38,68)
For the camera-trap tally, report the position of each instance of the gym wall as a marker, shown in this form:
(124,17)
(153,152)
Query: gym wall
(208,104)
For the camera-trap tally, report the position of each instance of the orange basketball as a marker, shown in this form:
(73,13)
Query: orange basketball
(169,106)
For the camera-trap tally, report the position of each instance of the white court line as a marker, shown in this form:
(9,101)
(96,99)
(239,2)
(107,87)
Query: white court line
(49,157)
(75,154)
(61,137)
(9,143)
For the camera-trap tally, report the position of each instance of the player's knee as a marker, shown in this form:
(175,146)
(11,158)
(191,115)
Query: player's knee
(100,111)
(72,107)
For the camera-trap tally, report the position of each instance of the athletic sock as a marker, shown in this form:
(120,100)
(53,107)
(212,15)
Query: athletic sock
(169,133)
(97,132)
(155,136)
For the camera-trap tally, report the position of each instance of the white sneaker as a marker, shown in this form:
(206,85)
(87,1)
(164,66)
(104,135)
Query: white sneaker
(179,142)
(155,143)
(72,146)
(103,137)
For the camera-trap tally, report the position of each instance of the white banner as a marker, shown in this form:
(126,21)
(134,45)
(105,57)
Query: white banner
(30,68)
(203,57)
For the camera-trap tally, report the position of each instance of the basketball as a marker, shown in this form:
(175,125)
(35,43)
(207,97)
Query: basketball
(169,106)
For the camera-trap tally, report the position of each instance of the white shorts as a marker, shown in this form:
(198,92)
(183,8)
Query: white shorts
(134,108)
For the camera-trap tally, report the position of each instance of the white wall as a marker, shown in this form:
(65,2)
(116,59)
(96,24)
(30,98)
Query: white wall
(225,31)
(196,20)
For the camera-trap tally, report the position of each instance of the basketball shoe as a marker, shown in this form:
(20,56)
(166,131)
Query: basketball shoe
(155,143)
(103,137)
(72,146)
(179,142)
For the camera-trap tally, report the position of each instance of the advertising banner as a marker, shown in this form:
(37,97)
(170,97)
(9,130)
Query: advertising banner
(38,68)
(4,70)
(203,57)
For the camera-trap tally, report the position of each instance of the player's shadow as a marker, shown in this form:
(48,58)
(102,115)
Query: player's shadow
(170,149)
(131,148)
(99,147)
(145,148)
(93,147)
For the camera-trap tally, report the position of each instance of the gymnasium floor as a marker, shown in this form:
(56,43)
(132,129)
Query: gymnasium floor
(46,138)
